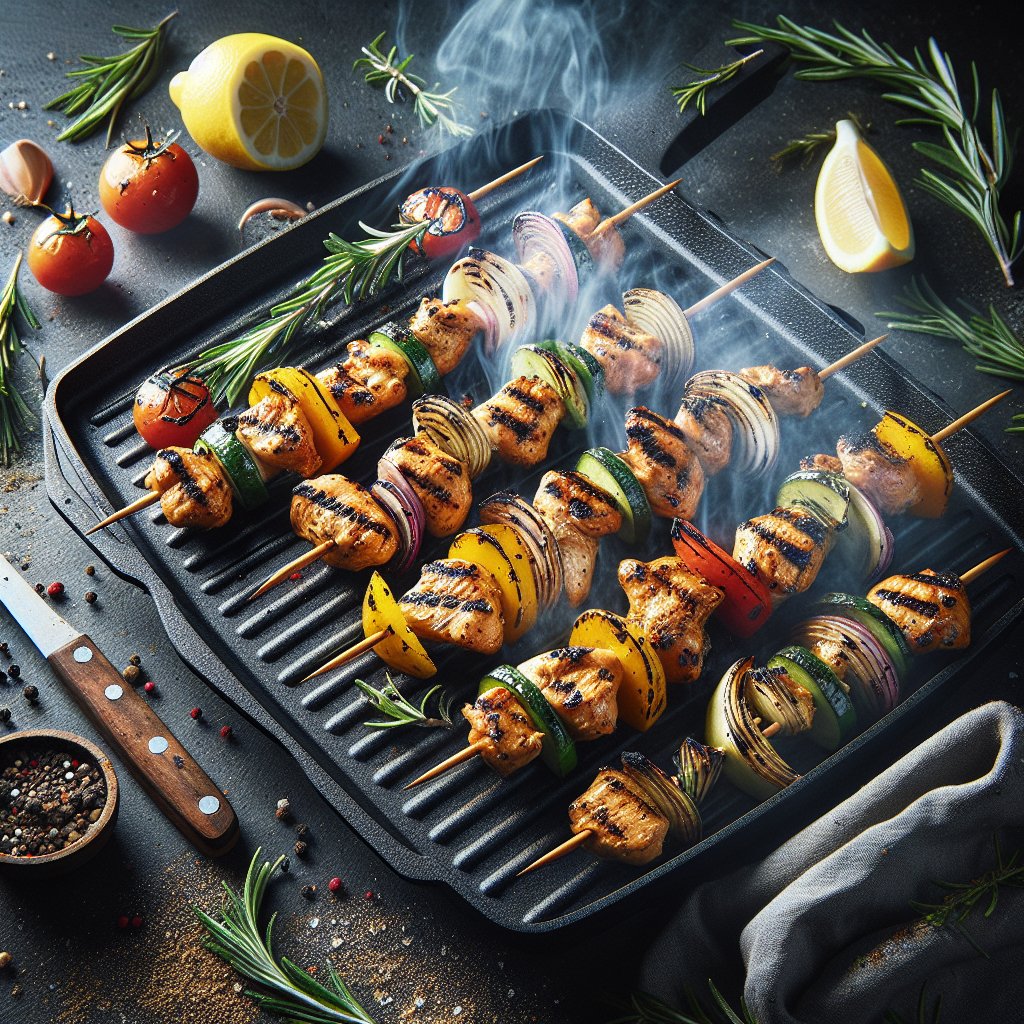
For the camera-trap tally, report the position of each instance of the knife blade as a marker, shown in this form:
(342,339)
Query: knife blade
(162,766)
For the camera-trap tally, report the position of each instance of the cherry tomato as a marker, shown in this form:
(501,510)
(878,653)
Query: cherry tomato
(149,187)
(70,254)
(454,221)
(173,408)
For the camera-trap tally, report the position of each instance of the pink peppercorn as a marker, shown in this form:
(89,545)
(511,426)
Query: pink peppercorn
(55,589)
(334,884)
(122,921)
(196,713)
(137,921)
(150,687)
(368,895)
(225,731)
(295,577)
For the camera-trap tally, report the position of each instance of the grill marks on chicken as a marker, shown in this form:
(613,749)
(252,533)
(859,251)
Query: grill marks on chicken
(671,605)
(708,430)
(193,489)
(663,462)
(791,392)
(440,481)
(505,733)
(456,602)
(607,248)
(931,609)
(521,419)
(445,330)
(369,382)
(277,432)
(570,495)
(623,825)
(784,549)
(334,508)
(629,356)
(580,684)
(885,477)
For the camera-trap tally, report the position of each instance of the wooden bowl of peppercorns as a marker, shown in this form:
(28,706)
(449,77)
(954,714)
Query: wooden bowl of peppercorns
(58,801)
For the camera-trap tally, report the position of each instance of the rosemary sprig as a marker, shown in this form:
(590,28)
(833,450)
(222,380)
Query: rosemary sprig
(697,91)
(391,702)
(109,82)
(431,106)
(352,270)
(972,171)
(15,415)
(647,1009)
(285,988)
(807,146)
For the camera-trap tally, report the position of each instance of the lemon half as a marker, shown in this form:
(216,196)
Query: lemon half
(254,101)
(861,216)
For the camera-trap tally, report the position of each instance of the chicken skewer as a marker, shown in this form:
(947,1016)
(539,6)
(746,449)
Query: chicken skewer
(619,823)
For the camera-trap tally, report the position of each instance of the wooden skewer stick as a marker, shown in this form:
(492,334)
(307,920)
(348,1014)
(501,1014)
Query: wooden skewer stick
(149,498)
(770,730)
(294,566)
(624,215)
(982,567)
(725,289)
(851,357)
(466,754)
(956,425)
(559,851)
(364,645)
(508,176)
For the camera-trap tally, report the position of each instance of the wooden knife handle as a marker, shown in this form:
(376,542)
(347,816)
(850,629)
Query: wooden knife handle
(178,786)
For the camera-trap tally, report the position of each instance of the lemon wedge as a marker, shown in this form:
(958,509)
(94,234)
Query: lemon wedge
(861,216)
(254,101)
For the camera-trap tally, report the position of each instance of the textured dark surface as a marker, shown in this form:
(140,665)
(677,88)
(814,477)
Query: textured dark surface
(64,937)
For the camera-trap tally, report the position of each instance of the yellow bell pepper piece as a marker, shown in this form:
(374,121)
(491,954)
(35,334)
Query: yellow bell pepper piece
(401,648)
(334,437)
(642,696)
(928,461)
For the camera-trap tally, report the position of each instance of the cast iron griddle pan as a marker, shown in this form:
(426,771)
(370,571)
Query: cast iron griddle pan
(470,829)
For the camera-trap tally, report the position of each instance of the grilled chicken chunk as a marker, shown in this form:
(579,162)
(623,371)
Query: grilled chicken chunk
(671,475)
(445,330)
(784,549)
(874,468)
(541,271)
(828,463)
(440,481)
(792,392)
(333,507)
(193,488)
(370,381)
(607,248)
(931,609)
(708,430)
(629,356)
(277,432)
(499,721)
(456,602)
(670,605)
(580,684)
(577,553)
(570,496)
(521,419)
(623,825)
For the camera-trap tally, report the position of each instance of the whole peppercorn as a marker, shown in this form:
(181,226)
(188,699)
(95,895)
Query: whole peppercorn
(135,659)
(39,588)
(309,891)
(123,921)
(130,673)
(302,830)
(368,895)
(301,848)
(334,884)
(31,693)
(283,810)
(90,596)
(225,731)
(137,921)
(5,959)
(90,570)
(5,715)
(55,589)
(286,866)
(14,671)
(196,714)
(150,687)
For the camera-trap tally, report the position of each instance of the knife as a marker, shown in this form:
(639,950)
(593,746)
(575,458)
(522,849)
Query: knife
(178,786)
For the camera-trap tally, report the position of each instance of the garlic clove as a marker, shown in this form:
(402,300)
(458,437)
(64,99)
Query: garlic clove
(280,209)
(25,172)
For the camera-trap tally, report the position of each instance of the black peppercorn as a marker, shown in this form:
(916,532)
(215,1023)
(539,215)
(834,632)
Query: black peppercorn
(90,596)
(14,671)
(301,848)
(130,673)
(309,891)
(5,715)
(135,659)
(302,830)
(31,693)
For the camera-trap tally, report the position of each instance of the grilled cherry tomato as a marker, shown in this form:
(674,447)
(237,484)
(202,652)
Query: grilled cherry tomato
(453,219)
(172,409)
(70,253)
(149,187)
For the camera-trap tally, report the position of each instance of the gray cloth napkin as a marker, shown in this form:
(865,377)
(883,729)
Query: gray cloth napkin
(823,929)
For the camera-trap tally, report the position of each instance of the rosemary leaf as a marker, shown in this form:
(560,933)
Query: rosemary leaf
(390,702)
(284,988)
(808,146)
(697,91)
(15,414)
(110,82)
(431,106)
(927,86)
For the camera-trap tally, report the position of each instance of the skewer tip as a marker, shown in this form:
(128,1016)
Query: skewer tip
(982,567)
(558,852)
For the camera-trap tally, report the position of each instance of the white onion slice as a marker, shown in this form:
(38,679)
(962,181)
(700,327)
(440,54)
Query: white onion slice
(754,421)
(659,314)
(451,427)
(489,324)
(533,233)
(406,510)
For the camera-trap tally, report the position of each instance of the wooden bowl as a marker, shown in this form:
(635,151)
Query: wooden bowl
(98,833)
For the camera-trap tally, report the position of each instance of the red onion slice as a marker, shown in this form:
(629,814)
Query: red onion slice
(659,314)
(394,502)
(866,541)
(534,233)
(389,473)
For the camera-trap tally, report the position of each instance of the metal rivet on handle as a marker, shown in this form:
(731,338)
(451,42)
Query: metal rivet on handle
(209,804)
(82,654)
(113,692)
(158,744)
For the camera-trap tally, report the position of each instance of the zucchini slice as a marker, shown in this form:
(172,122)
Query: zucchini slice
(825,494)
(606,470)
(884,630)
(587,368)
(238,464)
(424,378)
(835,719)
(550,367)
